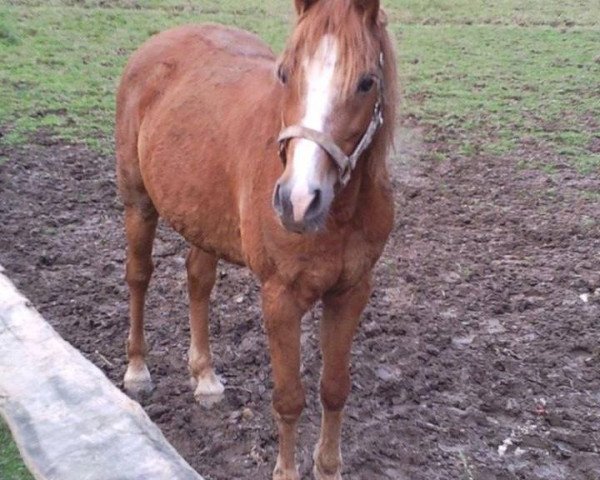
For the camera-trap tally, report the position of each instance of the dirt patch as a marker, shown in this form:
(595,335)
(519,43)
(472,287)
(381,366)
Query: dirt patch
(478,354)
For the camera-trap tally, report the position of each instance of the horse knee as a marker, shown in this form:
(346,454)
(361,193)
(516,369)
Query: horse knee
(201,283)
(334,392)
(289,402)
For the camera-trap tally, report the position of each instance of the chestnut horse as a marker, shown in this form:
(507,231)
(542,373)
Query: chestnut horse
(278,165)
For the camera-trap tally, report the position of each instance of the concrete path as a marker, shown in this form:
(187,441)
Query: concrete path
(69,421)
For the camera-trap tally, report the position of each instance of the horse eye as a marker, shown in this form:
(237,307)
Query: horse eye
(282,74)
(365,84)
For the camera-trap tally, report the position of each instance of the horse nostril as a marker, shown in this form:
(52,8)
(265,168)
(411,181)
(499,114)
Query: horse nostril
(281,200)
(315,204)
(277,199)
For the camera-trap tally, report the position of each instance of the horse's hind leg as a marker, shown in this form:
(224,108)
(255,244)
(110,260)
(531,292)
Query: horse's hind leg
(201,268)
(140,226)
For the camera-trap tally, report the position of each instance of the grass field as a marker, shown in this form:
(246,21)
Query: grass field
(11,467)
(516,79)
(487,78)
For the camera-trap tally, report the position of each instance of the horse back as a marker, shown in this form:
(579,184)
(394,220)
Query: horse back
(167,56)
(173,51)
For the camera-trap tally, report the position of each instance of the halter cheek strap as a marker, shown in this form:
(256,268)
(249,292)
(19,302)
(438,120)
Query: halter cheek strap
(345,163)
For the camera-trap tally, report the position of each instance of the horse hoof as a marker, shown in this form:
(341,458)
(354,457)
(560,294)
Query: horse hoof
(137,381)
(318,472)
(326,476)
(280,474)
(208,390)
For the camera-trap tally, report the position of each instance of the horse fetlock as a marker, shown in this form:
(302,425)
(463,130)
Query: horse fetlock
(137,381)
(327,465)
(199,363)
(136,351)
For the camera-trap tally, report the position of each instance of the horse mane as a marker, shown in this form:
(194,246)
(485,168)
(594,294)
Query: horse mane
(360,42)
(384,139)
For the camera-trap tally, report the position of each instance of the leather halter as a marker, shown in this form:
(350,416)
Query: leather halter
(345,163)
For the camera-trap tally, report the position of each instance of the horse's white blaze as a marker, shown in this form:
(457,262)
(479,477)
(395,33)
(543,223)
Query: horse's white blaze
(319,73)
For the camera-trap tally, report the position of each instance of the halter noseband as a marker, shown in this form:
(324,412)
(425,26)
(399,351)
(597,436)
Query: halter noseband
(345,163)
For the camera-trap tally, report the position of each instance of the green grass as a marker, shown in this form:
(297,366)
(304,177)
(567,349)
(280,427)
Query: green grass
(64,61)
(485,77)
(11,466)
(493,88)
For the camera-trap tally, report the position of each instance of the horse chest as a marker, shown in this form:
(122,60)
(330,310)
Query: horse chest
(359,256)
(325,265)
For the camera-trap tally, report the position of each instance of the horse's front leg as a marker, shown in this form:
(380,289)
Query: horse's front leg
(341,316)
(282,317)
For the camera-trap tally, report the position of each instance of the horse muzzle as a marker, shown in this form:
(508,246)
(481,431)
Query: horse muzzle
(301,210)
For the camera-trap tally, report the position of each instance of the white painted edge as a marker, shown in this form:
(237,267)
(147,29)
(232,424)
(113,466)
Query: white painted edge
(68,420)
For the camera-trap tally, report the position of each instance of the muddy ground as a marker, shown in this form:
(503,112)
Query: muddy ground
(478,356)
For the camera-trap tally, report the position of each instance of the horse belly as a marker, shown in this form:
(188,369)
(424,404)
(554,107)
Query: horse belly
(190,189)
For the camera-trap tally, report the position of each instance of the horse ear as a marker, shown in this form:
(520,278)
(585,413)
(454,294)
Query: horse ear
(303,5)
(369,8)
